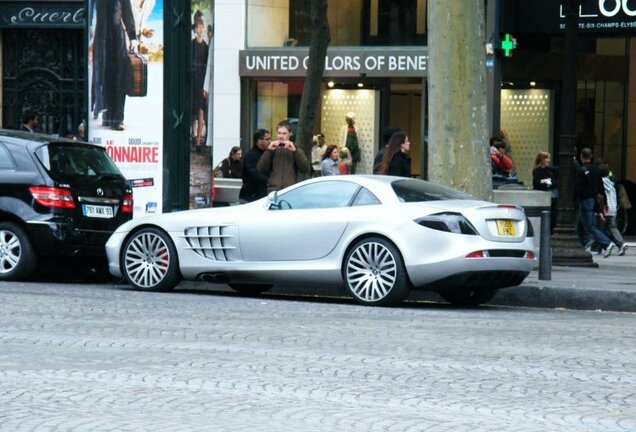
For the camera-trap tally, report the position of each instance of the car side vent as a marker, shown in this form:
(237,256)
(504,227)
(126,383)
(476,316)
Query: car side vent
(216,243)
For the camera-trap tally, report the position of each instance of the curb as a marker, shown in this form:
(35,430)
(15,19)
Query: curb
(566,298)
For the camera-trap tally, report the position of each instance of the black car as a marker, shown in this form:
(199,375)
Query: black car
(59,199)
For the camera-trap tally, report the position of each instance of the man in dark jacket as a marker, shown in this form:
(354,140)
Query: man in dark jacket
(587,188)
(254,183)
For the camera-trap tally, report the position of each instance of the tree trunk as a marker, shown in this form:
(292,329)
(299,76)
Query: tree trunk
(458,122)
(318,43)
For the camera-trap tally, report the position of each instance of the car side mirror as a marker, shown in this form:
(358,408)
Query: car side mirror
(273,199)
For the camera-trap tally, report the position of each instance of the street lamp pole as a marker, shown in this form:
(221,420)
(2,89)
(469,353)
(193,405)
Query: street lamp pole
(567,250)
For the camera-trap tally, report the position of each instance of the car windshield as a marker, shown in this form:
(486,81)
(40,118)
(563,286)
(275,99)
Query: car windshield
(66,159)
(414,190)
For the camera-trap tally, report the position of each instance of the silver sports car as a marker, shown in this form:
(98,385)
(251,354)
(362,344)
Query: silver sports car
(379,236)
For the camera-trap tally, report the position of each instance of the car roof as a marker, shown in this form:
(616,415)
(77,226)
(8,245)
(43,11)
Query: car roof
(32,139)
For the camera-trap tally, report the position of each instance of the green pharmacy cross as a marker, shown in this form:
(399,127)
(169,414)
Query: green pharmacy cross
(508,44)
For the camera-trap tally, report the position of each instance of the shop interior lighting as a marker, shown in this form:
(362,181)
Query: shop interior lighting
(532,83)
(330,84)
(360,84)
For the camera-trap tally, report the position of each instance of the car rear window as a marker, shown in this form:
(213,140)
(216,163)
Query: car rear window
(74,159)
(414,190)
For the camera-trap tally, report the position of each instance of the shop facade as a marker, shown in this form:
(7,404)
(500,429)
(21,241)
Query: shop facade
(531,80)
(43,57)
(253,77)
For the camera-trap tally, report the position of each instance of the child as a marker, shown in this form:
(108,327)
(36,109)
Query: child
(609,211)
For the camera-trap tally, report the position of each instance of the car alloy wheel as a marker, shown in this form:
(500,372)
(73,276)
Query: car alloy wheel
(17,258)
(374,273)
(149,261)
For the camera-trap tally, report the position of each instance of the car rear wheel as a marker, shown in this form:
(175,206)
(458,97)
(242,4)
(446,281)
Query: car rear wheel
(468,296)
(249,289)
(374,273)
(149,261)
(17,257)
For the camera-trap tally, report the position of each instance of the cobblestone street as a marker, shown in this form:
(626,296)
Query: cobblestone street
(102,358)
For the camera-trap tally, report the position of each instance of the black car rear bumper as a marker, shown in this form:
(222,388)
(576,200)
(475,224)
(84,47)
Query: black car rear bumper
(62,239)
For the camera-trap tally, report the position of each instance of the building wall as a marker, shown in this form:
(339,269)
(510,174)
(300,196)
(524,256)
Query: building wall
(630,155)
(268,22)
(229,28)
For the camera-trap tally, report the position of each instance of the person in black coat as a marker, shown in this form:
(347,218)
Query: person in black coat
(544,178)
(386,136)
(254,183)
(396,161)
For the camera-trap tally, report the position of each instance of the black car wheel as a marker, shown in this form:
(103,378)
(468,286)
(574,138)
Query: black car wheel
(249,289)
(17,257)
(374,273)
(468,296)
(149,261)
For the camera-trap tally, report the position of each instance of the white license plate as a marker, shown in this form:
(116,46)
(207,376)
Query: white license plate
(96,211)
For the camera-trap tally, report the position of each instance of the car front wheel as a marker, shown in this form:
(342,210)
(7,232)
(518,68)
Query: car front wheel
(374,273)
(149,261)
(17,257)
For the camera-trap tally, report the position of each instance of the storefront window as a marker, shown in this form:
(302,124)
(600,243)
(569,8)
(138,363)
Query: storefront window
(352,23)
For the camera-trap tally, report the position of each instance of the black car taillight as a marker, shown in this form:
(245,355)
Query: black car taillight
(448,222)
(127,204)
(530,229)
(52,197)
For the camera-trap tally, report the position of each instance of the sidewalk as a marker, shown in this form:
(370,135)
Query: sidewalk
(610,286)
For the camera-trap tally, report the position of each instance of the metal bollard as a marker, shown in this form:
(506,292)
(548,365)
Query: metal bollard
(545,256)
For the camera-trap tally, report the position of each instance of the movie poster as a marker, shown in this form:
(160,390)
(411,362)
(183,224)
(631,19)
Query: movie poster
(202,52)
(125,75)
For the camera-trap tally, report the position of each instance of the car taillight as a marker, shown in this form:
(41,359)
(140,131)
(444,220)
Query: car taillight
(52,197)
(127,204)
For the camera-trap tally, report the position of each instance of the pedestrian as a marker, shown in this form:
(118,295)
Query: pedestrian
(81,131)
(112,73)
(386,136)
(254,183)
(396,161)
(544,178)
(501,164)
(282,163)
(330,161)
(588,185)
(30,121)
(349,140)
(232,166)
(610,209)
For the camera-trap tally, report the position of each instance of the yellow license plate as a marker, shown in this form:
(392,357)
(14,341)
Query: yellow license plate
(506,227)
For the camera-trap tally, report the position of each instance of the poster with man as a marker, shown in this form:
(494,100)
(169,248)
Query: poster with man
(202,52)
(126,92)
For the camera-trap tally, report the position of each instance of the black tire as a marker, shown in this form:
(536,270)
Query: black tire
(149,261)
(468,296)
(17,256)
(249,289)
(374,273)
